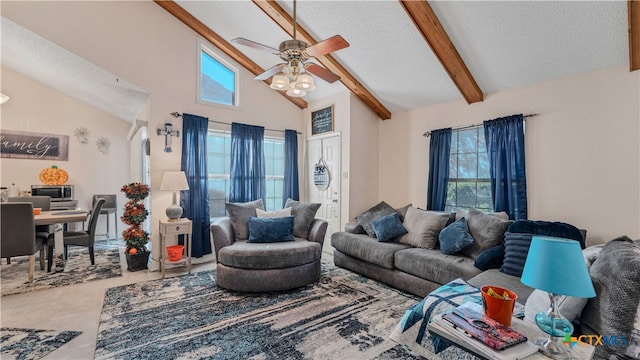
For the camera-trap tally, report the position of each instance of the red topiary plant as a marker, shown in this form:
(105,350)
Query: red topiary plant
(134,215)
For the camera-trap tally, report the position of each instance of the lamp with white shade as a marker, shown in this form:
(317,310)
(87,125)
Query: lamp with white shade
(557,266)
(174,181)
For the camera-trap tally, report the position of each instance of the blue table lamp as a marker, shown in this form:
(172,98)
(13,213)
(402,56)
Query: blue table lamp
(556,265)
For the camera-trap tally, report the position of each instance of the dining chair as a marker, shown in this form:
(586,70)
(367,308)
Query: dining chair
(110,207)
(19,233)
(84,237)
(43,202)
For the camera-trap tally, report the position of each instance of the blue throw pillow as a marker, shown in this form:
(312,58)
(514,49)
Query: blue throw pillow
(455,237)
(388,227)
(268,230)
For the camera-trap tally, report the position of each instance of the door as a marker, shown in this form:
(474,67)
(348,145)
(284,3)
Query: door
(325,151)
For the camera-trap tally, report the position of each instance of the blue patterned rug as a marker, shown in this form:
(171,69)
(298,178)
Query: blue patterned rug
(77,270)
(343,316)
(31,344)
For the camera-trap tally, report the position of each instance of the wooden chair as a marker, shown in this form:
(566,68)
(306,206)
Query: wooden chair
(19,234)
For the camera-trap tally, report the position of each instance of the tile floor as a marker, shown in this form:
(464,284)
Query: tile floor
(78,307)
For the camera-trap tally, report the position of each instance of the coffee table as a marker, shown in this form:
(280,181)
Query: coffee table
(438,327)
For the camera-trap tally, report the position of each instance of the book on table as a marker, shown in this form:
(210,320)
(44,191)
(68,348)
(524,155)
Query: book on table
(517,348)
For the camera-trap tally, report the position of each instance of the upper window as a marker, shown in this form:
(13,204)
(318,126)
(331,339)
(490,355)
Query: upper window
(219,166)
(218,80)
(469,183)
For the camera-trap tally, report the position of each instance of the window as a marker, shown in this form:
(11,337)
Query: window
(469,180)
(218,80)
(219,165)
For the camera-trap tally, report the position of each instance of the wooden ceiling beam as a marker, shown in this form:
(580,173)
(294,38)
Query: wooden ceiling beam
(285,21)
(633,7)
(196,25)
(427,22)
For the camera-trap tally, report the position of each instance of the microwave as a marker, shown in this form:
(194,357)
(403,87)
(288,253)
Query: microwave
(57,192)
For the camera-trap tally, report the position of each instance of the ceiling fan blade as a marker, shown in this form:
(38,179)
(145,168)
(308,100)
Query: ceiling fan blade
(270,72)
(324,47)
(322,73)
(255,45)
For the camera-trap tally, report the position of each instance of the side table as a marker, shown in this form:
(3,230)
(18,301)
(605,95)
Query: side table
(175,228)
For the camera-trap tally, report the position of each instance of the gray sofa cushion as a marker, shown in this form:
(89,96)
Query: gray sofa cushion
(366,248)
(487,231)
(239,213)
(269,255)
(423,227)
(303,213)
(497,278)
(366,218)
(434,265)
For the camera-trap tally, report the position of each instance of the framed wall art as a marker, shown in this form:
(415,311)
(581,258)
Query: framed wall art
(322,120)
(31,145)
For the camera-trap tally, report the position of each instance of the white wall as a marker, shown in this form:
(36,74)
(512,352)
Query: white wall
(35,107)
(142,43)
(363,172)
(583,150)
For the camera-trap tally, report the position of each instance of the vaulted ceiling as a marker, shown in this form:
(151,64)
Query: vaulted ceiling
(403,55)
(409,54)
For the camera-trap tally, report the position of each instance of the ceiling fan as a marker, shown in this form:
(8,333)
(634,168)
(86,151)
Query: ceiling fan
(293,75)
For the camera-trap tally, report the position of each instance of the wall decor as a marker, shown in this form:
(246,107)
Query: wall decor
(168,132)
(31,145)
(82,134)
(103,145)
(321,176)
(322,120)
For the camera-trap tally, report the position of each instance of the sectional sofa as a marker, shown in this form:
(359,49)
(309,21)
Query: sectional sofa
(496,257)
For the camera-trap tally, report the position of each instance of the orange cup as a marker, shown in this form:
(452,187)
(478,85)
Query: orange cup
(499,309)
(37,211)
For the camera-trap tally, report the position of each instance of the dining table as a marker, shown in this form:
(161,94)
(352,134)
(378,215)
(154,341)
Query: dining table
(60,217)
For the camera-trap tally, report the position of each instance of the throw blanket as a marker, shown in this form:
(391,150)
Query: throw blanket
(618,298)
(547,228)
(413,326)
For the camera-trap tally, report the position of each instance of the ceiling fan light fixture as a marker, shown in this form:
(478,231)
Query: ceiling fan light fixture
(296,92)
(280,81)
(305,82)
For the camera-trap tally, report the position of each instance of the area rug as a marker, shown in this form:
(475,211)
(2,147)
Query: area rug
(343,316)
(78,270)
(28,344)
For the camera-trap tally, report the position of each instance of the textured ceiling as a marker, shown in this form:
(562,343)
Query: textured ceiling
(505,45)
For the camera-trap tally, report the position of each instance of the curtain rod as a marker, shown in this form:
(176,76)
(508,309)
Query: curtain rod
(177,115)
(428,133)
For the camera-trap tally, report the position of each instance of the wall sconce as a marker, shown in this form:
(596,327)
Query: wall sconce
(4,98)
(168,132)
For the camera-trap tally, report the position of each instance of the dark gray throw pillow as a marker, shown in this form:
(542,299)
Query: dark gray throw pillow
(239,214)
(303,213)
(455,237)
(378,211)
(388,227)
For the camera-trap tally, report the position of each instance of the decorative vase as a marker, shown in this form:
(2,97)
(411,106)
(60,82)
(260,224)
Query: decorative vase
(137,261)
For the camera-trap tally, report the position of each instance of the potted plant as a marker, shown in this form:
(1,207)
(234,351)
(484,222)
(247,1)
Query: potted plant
(135,236)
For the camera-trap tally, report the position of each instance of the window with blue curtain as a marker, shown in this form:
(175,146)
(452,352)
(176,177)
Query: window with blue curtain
(247,163)
(505,149)
(291,185)
(469,184)
(439,148)
(195,201)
